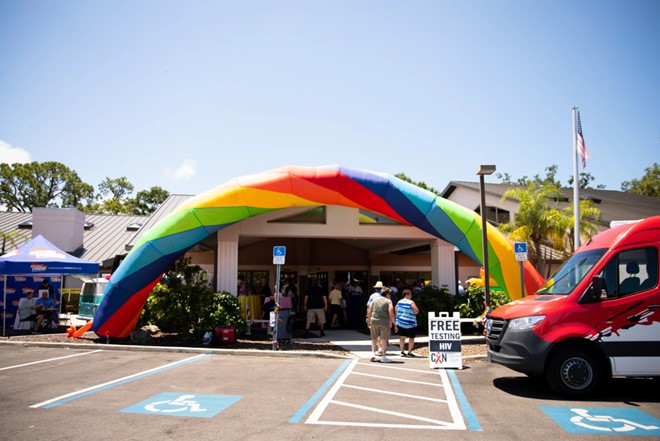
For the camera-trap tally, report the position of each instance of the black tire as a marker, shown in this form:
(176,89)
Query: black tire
(575,372)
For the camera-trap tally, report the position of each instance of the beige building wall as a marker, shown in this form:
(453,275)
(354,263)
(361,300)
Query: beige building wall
(339,244)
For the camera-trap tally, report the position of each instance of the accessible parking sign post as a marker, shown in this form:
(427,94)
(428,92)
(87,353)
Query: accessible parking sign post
(279,257)
(520,250)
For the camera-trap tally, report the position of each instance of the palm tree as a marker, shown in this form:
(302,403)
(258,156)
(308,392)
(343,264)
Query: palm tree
(563,236)
(9,238)
(534,220)
(538,223)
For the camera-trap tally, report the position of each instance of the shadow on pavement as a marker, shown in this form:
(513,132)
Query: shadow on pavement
(627,390)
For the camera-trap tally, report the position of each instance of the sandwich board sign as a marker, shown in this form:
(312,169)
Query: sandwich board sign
(445,341)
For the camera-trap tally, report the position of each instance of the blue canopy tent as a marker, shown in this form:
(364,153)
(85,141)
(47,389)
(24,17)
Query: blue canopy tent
(39,257)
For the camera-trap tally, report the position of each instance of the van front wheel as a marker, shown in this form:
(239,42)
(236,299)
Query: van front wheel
(574,372)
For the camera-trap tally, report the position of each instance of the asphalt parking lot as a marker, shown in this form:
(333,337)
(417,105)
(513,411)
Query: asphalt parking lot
(92,394)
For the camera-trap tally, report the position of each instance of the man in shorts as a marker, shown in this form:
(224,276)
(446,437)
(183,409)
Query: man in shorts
(316,304)
(380,316)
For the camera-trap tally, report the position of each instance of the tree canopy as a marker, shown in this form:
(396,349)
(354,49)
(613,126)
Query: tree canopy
(647,185)
(550,178)
(26,186)
(33,185)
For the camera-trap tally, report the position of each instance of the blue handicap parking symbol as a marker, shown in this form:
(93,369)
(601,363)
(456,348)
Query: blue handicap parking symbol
(183,404)
(520,247)
(604,420)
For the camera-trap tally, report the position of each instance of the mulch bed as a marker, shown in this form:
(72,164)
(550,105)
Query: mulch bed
(258,341)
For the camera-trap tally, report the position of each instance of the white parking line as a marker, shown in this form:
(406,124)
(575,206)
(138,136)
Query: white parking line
(50,359)
(456,422)
(389,412)
(454,407)
(99,387)
(398,394)
(402,380)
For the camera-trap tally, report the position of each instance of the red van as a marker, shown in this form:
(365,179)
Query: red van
(598,316)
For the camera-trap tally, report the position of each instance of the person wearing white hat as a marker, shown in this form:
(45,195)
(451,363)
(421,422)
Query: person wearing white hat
(378,287)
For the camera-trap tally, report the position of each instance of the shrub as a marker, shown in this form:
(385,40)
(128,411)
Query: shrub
(433,299)
(185,304)
(227,312)
(473,304)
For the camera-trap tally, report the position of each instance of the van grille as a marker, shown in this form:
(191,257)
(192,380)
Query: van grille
(496,329)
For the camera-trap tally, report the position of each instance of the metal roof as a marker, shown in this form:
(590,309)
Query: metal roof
(614,205)
(104,240)
(169,205)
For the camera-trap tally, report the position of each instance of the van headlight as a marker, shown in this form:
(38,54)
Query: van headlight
(525,323)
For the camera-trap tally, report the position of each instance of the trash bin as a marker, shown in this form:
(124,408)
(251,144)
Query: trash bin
(285,325)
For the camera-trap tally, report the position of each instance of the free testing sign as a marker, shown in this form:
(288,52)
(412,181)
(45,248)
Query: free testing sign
(445,341)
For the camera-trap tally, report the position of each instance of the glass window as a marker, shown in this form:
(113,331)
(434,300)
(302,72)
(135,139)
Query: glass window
(252,280)
(572,272)
(631,271)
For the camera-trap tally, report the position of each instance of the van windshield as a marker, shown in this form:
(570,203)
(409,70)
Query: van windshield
(571,273)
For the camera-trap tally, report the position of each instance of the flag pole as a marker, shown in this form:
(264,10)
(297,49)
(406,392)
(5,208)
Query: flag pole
(576,187)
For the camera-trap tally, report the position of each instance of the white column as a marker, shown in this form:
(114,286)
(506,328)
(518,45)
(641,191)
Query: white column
(227,263)
(443,265)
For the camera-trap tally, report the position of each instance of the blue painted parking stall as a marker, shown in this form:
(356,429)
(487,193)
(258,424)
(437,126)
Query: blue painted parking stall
(603,420)
(183,405)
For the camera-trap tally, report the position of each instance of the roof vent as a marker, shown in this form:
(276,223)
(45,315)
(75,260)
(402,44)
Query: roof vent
(134,226)
(592,198)
(89,225)
(26,225)
(558,197)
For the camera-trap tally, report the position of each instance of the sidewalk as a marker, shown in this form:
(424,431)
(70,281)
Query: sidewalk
(359,344)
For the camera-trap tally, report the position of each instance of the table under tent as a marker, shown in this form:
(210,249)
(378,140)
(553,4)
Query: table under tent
(24,269)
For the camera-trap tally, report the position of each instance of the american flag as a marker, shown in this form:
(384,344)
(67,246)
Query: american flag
(581,146)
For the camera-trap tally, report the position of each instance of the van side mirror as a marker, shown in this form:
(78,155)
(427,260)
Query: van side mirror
(598,289)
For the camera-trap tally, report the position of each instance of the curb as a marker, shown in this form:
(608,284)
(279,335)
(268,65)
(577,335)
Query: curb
(179,349)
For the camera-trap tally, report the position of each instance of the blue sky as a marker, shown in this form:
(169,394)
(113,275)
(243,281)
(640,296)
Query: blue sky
(190,94)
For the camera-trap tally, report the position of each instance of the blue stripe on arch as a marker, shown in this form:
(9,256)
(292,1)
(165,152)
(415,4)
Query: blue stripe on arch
(376,184)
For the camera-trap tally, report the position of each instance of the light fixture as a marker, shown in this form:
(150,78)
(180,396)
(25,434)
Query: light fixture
(482,171)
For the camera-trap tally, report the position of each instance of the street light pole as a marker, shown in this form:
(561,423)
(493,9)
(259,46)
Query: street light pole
(482,171)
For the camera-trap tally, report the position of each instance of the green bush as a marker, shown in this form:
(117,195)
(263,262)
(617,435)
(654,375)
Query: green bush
(473,303)
(227,312)
(432,299)
(184,303)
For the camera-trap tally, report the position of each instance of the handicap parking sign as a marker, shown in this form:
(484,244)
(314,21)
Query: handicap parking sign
(183,404)
(604,420)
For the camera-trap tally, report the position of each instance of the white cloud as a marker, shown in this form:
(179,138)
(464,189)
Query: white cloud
(185,170)
(10,155)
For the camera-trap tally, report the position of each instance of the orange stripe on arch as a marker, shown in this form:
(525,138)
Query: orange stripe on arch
(131,308)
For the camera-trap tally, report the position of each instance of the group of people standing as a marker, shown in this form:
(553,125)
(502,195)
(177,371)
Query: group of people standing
(382,315)
(345,305)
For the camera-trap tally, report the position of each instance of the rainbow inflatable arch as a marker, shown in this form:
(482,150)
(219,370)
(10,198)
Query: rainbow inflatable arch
(296,186)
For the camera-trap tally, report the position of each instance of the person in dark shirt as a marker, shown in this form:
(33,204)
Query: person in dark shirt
(316,304)
(265,291)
